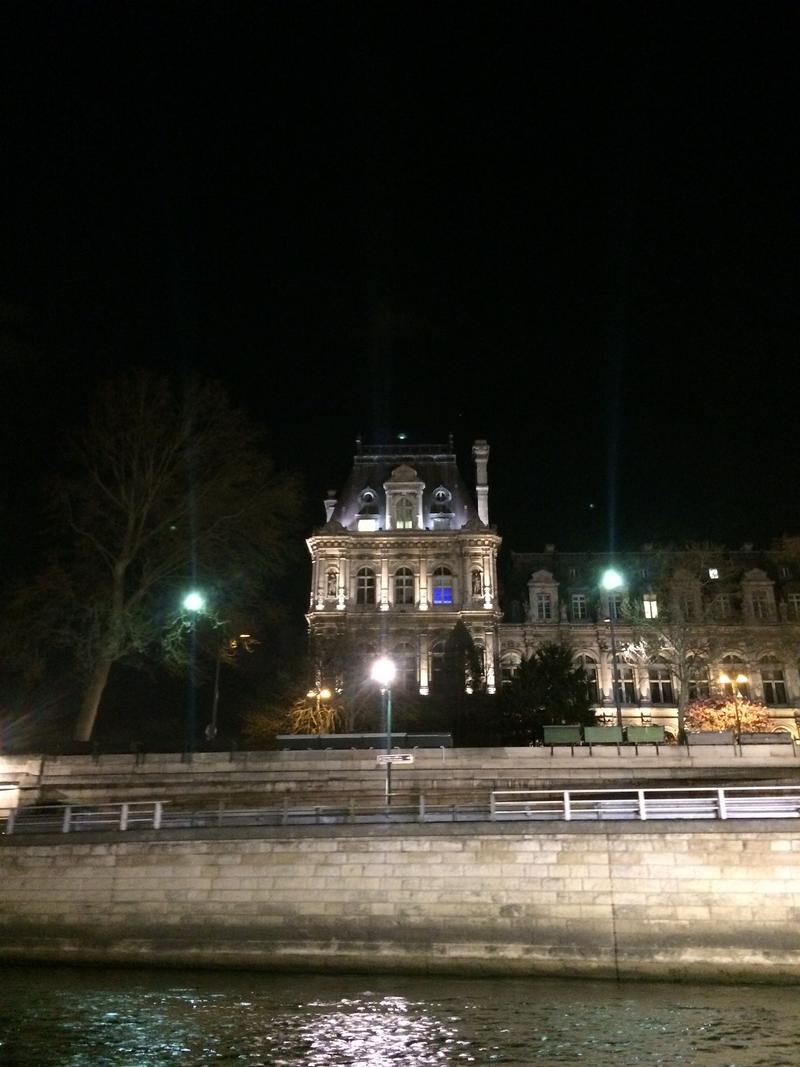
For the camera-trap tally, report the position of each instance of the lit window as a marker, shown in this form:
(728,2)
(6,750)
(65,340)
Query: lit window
(367,525)
(713,573)
(365,586)
(544,607)
(774,682)
(660,683)
(650,602)
(442,586)
(404,586)
(404,514)
(579,609)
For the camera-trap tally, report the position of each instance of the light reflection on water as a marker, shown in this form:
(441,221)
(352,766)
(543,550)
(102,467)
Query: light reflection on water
(118,1018)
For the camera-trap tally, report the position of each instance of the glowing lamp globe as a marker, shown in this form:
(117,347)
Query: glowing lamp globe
(383,671)
(611,579)
(194,602)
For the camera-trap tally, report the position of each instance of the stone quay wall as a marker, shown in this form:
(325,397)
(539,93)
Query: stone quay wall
(661,900)
(263,778)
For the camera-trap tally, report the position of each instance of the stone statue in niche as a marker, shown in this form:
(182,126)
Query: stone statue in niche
(477,583)
(331,591)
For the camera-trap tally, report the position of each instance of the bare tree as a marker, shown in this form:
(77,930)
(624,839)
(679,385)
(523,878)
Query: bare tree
(167,487)
(677,624)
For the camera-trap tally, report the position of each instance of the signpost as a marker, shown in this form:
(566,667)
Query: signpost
(394,757)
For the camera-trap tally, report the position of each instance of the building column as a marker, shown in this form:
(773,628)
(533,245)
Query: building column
(488,584)
(384,584)
(488,644)
(424,684)
(423,584)
(344,578)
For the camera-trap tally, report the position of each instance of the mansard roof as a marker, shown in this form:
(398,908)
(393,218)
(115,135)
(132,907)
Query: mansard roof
(433,465)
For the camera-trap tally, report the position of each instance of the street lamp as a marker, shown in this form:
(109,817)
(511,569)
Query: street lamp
(734,683)
(194,602)
(611,581)
(383,672)
(318,694)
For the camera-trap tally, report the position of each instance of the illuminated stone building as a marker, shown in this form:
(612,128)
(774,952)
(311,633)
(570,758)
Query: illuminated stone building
(406,552)
(682,619)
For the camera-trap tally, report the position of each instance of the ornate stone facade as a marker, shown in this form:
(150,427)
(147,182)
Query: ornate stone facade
(406,552)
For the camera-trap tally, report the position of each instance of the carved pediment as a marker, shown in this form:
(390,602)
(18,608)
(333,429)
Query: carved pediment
(404,473)
(756,575)
(542,578)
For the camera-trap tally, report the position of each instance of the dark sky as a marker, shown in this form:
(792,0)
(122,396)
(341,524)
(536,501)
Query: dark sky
(571,228)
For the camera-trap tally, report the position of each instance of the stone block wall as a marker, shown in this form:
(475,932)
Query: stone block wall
(661,900)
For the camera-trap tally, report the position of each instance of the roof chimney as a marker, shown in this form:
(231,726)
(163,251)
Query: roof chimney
(330,504)
(480,453)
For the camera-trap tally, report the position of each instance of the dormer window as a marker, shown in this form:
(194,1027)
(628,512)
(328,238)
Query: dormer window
(369,503)
(404,514)
(367,521)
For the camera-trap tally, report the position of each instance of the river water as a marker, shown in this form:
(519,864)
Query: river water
(121,1018)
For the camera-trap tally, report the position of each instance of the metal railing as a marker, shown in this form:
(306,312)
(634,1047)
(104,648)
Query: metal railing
(68,818)
(520,805)
(710,802)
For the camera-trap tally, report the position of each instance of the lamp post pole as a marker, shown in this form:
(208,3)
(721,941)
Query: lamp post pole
(734,683)
(194,603)
(611,582)
(383,672)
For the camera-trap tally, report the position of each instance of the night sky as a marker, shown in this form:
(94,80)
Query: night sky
(569,228)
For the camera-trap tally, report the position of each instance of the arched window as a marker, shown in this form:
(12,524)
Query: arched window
(773,681)
(626,684)
(405,661)
(365,586)
(404,586)
(733,666)
(443,586)
(589,664)
(437,663)
(661,691)
(404,514)
(510,663)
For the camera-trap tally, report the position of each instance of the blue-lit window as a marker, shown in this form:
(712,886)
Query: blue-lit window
(442,586)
